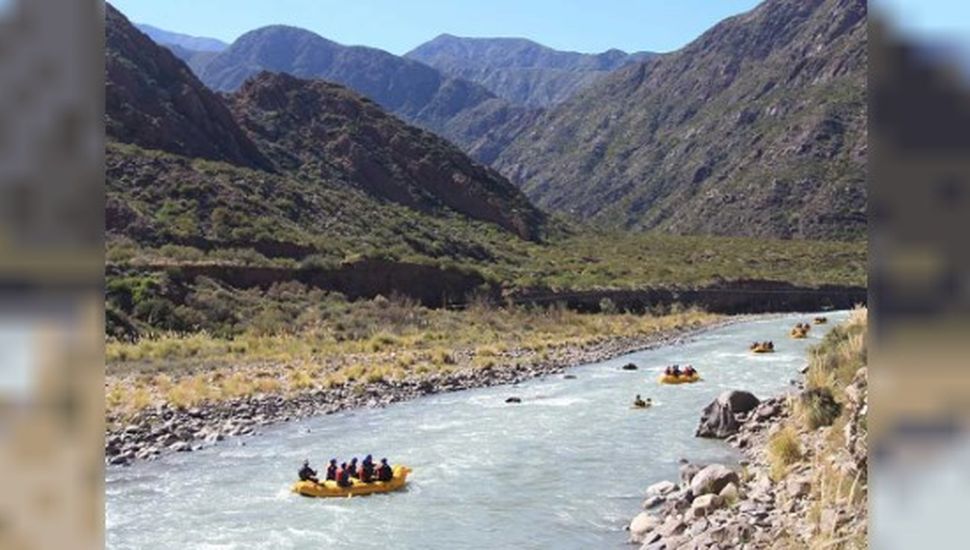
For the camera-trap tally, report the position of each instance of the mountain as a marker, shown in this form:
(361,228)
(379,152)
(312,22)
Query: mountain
(153,100)
(519,70)
(293,169)
(319,129)
(757,128)
(193,43)
(414,91)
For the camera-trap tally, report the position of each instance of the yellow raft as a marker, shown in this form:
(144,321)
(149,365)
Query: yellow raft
(820,320)
(358,488)
(797,333)
(682,379)
(762,349)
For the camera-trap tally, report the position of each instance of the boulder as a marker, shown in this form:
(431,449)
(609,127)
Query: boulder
(514,400)
(643,523)
(729,493)
(629,366)
(712,479)
(739,401)
(688,471)
(661,488)
(672,527)
(653,502)
(717,421)
(705,504)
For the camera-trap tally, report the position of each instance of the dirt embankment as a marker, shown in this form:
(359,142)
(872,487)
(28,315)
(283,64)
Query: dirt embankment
(448,287)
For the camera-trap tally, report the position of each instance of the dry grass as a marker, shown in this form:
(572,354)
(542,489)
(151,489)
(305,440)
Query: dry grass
(835,486)
(783,451)
(401,339)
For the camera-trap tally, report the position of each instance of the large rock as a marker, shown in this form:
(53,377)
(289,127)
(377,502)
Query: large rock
(705,504)
(661,488)
(739,401)
(713,479)
(718,419)
(642,524)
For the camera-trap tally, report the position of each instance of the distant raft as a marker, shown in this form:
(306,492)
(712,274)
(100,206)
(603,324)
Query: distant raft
(820,320)
(326,489)
(679,379)
(763,347)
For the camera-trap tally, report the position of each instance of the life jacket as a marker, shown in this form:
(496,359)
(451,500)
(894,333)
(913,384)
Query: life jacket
(385,472)
(343,477)
(332,472)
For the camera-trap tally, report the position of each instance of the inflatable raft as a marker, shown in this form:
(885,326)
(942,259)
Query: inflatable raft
(357,488)
(796,333)
(682,379)
(762,349)
(820,320)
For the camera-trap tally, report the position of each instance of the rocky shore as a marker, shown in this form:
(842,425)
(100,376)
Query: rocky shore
(162,429)
(815,500)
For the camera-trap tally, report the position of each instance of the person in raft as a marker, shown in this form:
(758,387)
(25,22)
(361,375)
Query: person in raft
(332,470)
(307,473)
(353,467)
(343,476)
(384,471)
(366,471)
(689,370)
(638,402)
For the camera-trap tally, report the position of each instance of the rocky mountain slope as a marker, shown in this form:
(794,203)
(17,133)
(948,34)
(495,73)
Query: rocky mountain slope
(457,109)
(153,100)
(519,70)
(756,128)
(324,130)
(300,169)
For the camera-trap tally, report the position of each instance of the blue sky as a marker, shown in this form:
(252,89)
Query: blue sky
(400,25)
(928,18)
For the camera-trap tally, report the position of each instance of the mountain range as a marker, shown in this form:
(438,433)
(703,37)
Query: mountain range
(519,70)
(284,166)
(758,128)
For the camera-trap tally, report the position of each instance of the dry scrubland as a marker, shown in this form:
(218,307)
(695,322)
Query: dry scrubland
(363,342)
(828,432)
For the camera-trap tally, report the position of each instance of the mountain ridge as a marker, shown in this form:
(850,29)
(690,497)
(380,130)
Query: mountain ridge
(755,128)
(520,70)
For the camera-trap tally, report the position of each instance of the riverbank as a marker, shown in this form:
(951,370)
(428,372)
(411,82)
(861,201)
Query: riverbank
(802,481)
(164,427)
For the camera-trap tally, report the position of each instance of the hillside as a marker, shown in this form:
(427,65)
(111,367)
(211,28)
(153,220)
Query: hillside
(414,91)
(755,128)
(519,70)
(153,100)
(323,130)
(296,170)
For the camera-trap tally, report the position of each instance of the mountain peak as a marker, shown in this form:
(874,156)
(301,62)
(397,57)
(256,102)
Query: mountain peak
(153,100)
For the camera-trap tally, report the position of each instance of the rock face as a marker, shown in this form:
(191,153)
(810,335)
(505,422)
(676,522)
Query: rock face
(718,419)
(756,128)
(520,70)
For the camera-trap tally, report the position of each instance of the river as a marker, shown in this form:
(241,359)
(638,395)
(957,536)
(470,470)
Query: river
(565,468)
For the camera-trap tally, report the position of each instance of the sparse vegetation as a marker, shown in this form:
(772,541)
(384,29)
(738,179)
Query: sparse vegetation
(342,342)
(783,451)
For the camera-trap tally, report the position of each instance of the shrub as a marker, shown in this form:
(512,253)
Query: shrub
(783,451)
(817,407)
